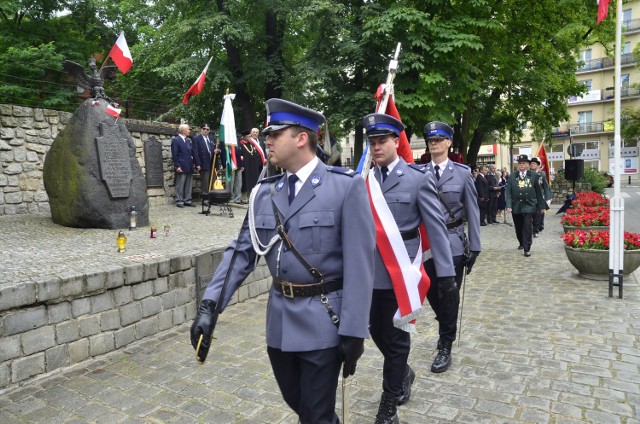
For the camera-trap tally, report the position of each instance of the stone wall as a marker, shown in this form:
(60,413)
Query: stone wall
(26,135)
(59,322)
(561,188)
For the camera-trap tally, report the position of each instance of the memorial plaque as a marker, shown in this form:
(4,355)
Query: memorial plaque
(153,162)
(113,157)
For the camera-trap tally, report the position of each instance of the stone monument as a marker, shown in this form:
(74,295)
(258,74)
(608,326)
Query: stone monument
(91,173)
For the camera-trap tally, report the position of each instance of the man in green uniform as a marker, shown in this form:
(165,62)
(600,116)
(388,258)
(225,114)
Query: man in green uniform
(523,196)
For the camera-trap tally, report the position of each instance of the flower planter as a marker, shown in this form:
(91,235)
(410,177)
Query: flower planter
(586,228)
(593,264)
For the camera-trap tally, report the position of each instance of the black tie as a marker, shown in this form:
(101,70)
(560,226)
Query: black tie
(383,171)
(292,186)
(437,168)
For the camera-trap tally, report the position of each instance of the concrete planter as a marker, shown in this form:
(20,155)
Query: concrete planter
(593,264)
(568,228)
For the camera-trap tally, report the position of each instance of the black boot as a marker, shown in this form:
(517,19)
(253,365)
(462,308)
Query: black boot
(443,358)
(388,412)
(407,381)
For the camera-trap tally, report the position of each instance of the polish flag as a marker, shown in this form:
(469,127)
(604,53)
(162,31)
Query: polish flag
(113,111)
(121,55)
(603,10)
(196,88)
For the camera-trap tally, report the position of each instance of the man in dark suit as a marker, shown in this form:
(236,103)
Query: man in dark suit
(523,196)
(319,302)
(204,150)
(494,192)
(411,199)
(182,156)
(458,199)
(482,187)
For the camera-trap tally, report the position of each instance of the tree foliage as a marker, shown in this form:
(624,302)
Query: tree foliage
(484,66)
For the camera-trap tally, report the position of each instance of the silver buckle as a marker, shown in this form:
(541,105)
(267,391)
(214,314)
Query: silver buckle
(287,289)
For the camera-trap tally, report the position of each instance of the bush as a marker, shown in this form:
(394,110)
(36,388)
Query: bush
(598,181)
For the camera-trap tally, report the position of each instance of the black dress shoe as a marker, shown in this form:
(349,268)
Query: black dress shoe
(535,235)
(443,358)
(387,411)
(180,206)
(527,254)
(520,247)
(483,224)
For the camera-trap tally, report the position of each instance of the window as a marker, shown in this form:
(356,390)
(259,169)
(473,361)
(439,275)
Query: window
(626,16)
(587,83)
(624,85)
(627,48)
(585,55)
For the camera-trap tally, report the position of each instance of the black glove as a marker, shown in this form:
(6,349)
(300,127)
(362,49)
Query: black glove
(351,349)
(471,260)
(448,291)
(203,325)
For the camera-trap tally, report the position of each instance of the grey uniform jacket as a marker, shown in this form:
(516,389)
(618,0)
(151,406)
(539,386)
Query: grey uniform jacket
(331,224)
(412,199)
(459,193)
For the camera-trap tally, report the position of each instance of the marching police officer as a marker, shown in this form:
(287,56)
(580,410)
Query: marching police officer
(411,197)
(458,195)
(523,196)
(315,228)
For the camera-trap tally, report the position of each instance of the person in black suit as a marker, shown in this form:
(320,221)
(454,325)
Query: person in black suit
(204,149)
(182,156)
(494,192)
(482,187)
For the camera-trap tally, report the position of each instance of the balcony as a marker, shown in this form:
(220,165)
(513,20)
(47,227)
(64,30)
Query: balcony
(624,92)
(605,62)
(591,127)
(631,25)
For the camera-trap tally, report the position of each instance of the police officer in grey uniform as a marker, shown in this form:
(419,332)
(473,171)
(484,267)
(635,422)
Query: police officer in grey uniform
(458,196)
(412,199)
(315,228)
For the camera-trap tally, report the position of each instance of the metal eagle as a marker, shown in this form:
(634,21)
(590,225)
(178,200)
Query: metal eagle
(93,82)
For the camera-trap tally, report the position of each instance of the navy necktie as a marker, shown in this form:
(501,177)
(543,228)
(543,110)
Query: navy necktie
(292,186)
(437,168)
(384,170)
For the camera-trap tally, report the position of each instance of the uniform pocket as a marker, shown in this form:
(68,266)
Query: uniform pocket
(451,193)
(265,227)
(317,231)
(399,205)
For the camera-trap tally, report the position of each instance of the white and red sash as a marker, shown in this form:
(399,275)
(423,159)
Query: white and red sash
(409,279)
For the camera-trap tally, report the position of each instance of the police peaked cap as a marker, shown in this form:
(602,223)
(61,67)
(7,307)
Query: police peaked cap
(380,124)
(523,158)
(536,160)
(438,129)
(282,114)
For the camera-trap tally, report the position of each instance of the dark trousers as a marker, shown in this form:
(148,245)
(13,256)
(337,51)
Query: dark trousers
(308,382)
(492,209)
(447,318)
(204,180)
(394,344)
(523,223)
(538,220)
(483,206)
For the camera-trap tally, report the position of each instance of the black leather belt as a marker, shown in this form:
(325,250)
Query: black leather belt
(410,235)
(292,290)
(454,224)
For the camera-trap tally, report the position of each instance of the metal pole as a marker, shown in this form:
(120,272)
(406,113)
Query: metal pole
(616,228)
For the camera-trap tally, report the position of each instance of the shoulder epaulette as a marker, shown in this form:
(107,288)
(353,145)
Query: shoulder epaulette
(422,168)
(340,170)
(462,165)
(270,179)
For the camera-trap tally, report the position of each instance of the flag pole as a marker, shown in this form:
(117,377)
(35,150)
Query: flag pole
(616,229)
(382,106)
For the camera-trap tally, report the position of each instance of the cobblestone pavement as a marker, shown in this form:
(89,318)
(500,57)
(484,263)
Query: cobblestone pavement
(539,345)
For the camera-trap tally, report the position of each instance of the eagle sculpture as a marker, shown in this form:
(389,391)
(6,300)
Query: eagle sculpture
(93,82)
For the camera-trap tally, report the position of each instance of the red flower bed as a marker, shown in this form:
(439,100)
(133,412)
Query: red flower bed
(580,218)
(579,210)
(598,240)
(589,198)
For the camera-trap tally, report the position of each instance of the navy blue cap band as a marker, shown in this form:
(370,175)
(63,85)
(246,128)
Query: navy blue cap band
(287,118)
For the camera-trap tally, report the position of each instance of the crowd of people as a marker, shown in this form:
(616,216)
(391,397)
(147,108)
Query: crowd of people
(354,256)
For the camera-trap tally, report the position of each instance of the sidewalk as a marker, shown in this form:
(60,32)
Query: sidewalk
(539,345)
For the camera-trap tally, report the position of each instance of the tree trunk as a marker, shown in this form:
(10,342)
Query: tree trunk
(483,125)
(235,66)
(274,29)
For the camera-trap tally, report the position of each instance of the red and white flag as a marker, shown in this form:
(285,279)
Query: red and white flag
(544,162)
(404,148)
(121,55)
(196,88)
(408,278)
(113,111)
(603,10)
